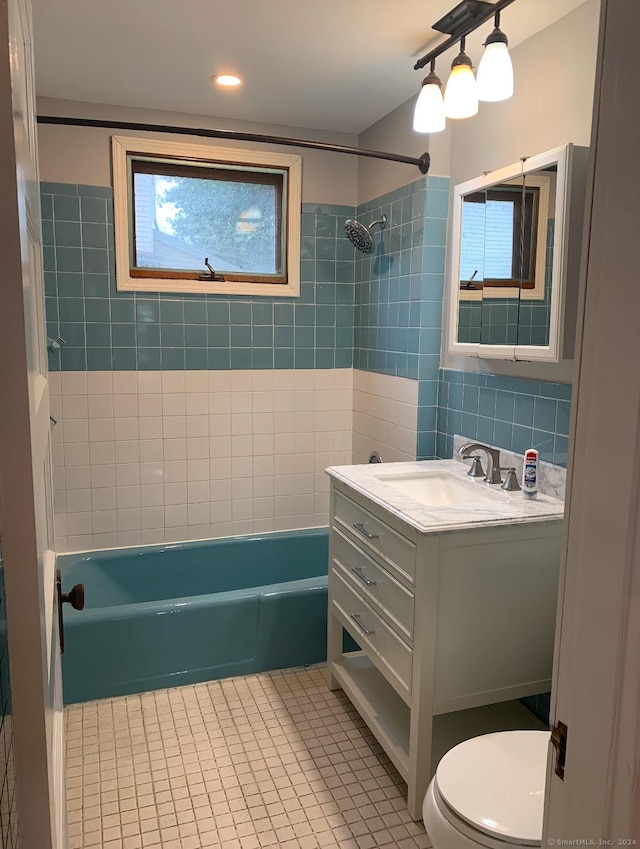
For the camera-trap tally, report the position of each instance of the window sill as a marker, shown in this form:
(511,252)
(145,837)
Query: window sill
(203,287)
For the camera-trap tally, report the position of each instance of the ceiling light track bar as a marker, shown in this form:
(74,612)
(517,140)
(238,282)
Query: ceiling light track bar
(465,30)
(421,162)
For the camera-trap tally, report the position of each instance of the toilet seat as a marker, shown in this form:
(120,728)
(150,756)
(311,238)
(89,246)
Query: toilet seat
(489,791)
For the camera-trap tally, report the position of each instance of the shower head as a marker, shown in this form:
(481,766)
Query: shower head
(360,236)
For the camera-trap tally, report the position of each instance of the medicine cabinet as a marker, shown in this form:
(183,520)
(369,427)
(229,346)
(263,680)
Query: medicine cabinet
(516,245)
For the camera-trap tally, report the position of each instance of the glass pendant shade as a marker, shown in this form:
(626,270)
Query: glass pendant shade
(495,73)
(461,93)
(428,116)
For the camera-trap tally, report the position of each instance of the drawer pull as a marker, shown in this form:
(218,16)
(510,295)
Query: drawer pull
(357,571)
(359,526)
(363,628)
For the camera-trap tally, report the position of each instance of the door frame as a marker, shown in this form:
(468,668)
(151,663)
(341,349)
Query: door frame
(26,522)
(596,679)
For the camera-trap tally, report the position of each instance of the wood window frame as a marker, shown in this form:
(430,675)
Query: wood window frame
(130,278)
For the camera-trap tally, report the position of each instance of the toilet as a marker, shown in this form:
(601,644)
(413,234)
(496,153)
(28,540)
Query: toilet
(489,791)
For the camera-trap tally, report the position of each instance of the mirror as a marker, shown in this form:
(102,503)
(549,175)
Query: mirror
(534,319)
(509,260)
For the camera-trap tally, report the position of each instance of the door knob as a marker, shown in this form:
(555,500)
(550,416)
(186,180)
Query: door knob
(75,598)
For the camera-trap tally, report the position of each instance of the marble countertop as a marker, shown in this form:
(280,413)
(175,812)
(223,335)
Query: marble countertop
(504,508)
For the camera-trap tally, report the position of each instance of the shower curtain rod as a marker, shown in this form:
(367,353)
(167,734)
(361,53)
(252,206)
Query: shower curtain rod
(422,162)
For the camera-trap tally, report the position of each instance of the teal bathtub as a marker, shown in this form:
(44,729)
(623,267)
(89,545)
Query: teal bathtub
(166,615)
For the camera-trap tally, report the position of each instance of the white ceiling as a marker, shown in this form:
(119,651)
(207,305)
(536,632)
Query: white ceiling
(330,64)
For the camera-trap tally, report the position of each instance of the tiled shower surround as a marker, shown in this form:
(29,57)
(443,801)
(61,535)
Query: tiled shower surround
(398,298)
(183,417)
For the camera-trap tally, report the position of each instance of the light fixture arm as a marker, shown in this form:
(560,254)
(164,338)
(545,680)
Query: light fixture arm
(492,12)
(497,36)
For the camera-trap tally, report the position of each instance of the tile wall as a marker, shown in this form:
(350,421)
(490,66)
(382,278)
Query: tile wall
(385,410)
(398,304)
(9,837)
(399,287)
(150,456)
(125,331)
(511,413)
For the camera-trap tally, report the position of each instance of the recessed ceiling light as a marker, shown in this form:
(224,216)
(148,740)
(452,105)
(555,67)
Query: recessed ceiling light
(227,80)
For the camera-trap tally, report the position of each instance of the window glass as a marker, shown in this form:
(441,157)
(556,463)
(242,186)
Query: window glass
(182,216)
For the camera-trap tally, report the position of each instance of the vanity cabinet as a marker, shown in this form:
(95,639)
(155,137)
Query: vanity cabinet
(448,623)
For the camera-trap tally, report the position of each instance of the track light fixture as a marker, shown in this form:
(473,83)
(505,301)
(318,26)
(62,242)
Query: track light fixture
(495,73)
(462,92)
(429,116)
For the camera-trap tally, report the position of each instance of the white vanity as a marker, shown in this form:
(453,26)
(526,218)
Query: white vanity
(450,589)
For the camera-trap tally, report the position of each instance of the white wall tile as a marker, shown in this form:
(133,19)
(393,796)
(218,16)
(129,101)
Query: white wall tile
(175,471)
(100,406)
(103,498)
(100,383)
(173,381)
(150,404)
(152,473)
(175,515)
(127,497)
(197,381)
(75,454)
(101,430)
(128,519)
(128,538)
(125,405)
(198,514)
(152,517)
(126,429)
(55,383)
(130,451)
(73,383)
(149,382)
(197,403)
(174,404)
(175,493)
(150,427)
(74,406)
(384,417)
(173,455)
(103,475)
(149,450)
(104,521)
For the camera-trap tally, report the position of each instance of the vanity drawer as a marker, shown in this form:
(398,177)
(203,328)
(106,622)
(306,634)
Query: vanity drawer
(375,584)
(377,639)
(374,534)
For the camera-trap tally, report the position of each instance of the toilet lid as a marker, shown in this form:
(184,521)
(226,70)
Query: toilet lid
(496,783)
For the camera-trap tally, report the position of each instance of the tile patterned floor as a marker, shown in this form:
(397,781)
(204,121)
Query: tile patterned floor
(265,760)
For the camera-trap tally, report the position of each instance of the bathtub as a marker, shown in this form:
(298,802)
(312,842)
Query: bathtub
(166,615)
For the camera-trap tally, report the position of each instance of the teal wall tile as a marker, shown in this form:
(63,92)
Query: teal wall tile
(397,325)
(513,413)
(110,329)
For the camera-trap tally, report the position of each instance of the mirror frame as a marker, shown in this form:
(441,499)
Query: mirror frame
(562,157)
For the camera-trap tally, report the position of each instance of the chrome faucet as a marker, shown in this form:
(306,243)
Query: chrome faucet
(493,459)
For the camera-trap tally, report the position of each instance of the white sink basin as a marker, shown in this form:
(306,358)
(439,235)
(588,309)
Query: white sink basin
(440,489)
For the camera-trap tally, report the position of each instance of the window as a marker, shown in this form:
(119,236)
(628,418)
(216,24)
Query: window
(184,209)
